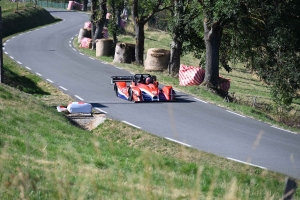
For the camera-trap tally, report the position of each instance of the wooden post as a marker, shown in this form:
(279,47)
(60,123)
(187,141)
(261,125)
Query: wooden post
(1,50)
(290,189)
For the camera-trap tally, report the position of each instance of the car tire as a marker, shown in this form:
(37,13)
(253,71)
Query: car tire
(116,90)
(130,95)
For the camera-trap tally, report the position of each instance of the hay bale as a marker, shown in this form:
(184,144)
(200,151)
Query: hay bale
(124,53)
(83,33)
(157,59)
(103,47)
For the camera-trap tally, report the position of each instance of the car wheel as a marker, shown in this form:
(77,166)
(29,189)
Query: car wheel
(116,89)
(130,93)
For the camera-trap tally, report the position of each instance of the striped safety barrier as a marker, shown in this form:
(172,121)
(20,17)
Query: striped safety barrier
(189,75)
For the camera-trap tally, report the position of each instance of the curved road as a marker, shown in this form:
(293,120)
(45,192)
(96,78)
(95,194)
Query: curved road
(49,53)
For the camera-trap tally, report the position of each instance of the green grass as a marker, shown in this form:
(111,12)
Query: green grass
(45,156)
(22,18)
(8,7)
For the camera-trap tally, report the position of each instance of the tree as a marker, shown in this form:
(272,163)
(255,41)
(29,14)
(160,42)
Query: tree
(98,19)
(181,28)
(261,34)
(85,3)
(116,7)
(142,11)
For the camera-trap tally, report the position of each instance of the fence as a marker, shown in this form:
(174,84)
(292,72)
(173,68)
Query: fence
(50,4)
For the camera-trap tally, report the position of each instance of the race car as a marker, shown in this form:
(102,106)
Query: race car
(141,88)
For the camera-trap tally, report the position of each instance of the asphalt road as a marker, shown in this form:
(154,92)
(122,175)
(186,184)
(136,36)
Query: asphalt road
(49,53)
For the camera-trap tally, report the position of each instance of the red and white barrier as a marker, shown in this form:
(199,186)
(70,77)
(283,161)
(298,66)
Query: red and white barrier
(189,75)
(105,33)
(85,43)
(73,5)
(224,84)
(80,107)
(122,23)
(87,25)
(76,107)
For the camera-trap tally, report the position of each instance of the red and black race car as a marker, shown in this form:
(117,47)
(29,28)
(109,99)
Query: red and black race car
(141,87)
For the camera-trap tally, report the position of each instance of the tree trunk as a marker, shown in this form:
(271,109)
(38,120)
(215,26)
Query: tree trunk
(212,38)
(139,42)
(139,33)
(85,3)
(98,23)
(174,64)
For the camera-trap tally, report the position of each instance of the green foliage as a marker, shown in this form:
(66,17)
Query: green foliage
(184,21)
(264,35)
(25,19)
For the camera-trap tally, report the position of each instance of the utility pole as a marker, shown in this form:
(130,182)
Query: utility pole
(1,50)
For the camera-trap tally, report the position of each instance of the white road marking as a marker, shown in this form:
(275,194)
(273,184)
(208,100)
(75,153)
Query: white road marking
(11,57)
(91,58)
(19,62)
(235,113)
(246,163)
(28,68)
(78,97)
(74,49)
(100,110)
(130,124)
(178,142)
(38,74)
(63,88)
(5,52)
(70,45)
(49,80)
(200,100)
(283,129)
(81,54)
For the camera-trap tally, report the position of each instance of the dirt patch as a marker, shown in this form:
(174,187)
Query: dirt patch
(87,121)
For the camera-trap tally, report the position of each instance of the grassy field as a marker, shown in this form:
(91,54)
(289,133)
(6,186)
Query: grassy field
(8,6)
(45,156)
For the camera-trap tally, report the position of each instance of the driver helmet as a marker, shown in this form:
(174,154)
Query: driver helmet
(149,80)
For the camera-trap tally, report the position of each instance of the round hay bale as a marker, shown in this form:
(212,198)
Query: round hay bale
(157,59)
(124,53)
(83,33)
(103,47)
